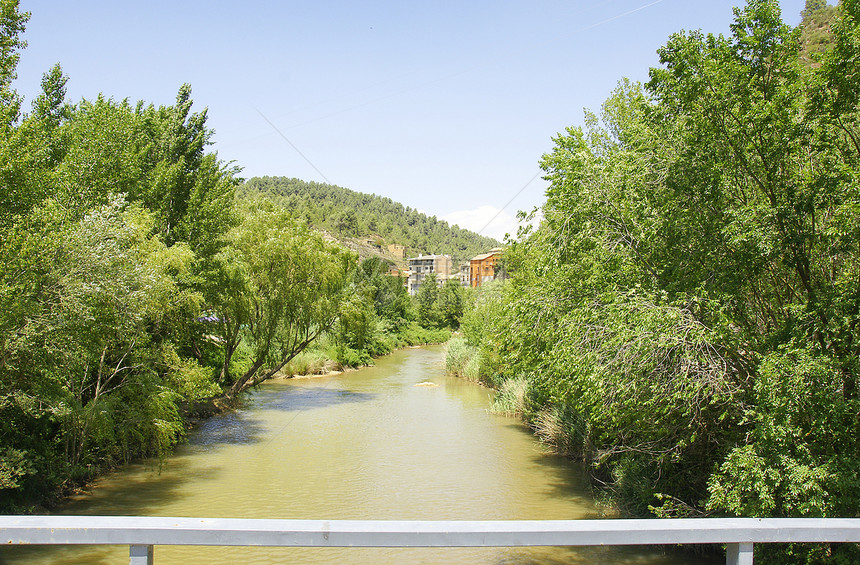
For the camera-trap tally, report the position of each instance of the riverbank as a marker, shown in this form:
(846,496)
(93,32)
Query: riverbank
(367,444)
(316,362)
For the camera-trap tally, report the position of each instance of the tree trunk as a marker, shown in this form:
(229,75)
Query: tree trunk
(239,385)
(247,380)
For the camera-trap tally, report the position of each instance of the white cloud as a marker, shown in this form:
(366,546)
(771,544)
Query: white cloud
(486,220)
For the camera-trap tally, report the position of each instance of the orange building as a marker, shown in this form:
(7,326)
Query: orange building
(483,267)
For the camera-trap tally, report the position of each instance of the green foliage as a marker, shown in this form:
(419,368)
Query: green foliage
(450,303)
(414,334)
(802,456)
(311,361)
(511,399)
(79,354)
(349,214)
(12,25)
(376,309)
(50,107)
(816,32)
(426,305)
(440,307)
(458,354)
(357,322)
(349,357)
(284,286)
(14,467)
(484,324)
(111,215)
(463,360)
(684,319)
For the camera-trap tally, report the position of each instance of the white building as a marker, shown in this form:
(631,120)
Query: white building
(423,265)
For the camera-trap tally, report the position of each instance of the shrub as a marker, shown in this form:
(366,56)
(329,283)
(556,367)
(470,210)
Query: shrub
(458,356)
(308,362)
(510,401)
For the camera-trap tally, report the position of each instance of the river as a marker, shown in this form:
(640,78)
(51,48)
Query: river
(367,444)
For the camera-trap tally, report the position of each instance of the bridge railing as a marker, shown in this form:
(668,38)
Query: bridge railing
(141,534)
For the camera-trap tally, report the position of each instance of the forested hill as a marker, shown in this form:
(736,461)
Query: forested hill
(816,35)
(348,214)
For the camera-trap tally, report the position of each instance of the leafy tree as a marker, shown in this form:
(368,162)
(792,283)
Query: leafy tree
(685,317)
(111,216)
(51,106)
(101,157)
(426,302)
(346,222)
(79,360)
(285,288)
(12,25)
(758,159)
(450,303)
(388,293)
(813,6)
(178,170)
(30,152)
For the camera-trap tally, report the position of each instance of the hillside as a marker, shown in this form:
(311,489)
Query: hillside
(368,223)
(816,36)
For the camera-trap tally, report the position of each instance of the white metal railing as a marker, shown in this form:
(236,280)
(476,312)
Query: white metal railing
(143,533)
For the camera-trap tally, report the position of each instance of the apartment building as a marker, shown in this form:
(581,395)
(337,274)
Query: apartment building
(423,265)
(465,271)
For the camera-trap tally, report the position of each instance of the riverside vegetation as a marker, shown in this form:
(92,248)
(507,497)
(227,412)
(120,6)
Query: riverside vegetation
(134,285)
(685,319)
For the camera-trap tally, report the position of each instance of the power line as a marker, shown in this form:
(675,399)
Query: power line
(502,209)
(619,16)
(293,145)
(439,79)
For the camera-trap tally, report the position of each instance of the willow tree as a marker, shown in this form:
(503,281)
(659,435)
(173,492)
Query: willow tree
(283,286)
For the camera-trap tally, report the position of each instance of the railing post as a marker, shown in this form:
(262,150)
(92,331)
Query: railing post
(140,555)
(739,553)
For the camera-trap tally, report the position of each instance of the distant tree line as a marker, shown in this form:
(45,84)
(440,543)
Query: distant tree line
(345,213)
(686,319)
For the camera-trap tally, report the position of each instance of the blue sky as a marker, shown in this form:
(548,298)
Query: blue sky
(446,107)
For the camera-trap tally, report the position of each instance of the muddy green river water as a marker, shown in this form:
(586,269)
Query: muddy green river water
(367,444)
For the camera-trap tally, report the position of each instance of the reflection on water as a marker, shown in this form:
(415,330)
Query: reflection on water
(367,444)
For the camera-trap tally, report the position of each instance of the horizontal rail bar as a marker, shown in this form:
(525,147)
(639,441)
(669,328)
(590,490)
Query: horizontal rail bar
(129,530)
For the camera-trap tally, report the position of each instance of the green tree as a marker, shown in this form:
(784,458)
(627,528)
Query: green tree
(685,317)
(99,281)
(51,106)
(31,151)
(813,6)
(426,302)
(286,287)
(12,25)
(346,223)
(450,303)
(80,362)
(388,293)
(755,154)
